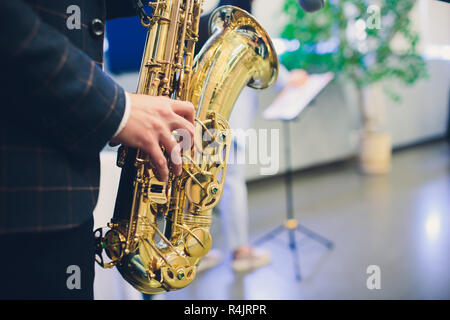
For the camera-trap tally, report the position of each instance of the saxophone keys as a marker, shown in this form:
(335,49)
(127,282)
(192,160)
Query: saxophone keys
(198,242)
(121,156)
(157,191)
(179,273)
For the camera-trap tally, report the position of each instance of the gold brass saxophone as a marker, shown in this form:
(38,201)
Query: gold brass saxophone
(239,52)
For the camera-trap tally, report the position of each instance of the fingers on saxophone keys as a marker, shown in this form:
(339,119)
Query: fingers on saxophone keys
(184,129)
(173,150)
(184,109)
(158,160)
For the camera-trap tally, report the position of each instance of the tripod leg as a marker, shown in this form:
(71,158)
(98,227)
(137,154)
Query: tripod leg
(295,256)
(313,235)
(269,236)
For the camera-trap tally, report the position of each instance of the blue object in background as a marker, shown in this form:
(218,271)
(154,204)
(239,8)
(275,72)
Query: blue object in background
(126,41)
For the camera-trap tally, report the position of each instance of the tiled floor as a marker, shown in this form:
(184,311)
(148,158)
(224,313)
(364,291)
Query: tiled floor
(399,222)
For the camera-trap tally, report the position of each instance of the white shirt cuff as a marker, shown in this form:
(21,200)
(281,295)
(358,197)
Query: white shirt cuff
(126,114)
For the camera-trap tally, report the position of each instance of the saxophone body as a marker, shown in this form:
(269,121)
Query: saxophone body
(160,230)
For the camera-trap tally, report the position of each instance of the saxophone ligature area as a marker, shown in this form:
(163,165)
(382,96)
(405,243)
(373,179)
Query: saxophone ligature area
(160,230)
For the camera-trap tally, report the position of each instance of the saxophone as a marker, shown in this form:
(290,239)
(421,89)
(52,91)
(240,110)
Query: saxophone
(160,230)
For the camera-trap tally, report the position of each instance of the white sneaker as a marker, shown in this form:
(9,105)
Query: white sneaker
(251,260)
(210,260)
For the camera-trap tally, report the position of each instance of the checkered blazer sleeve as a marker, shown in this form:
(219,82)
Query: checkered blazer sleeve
(69,98)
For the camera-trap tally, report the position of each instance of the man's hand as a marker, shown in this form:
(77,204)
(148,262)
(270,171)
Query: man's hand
(150,125)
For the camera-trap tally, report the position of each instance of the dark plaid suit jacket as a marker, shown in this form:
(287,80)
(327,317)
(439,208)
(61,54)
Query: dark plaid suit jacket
(57,111)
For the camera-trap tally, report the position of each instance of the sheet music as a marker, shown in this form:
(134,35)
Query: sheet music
(293,100)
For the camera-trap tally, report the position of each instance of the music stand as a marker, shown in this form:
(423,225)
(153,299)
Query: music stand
(299,99)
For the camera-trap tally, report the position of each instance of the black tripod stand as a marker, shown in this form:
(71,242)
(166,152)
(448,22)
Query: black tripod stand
(292,225)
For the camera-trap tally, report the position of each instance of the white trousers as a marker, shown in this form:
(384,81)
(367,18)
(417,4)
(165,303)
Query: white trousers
(233,206)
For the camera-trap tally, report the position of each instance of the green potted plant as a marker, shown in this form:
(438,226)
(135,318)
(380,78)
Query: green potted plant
(356,40)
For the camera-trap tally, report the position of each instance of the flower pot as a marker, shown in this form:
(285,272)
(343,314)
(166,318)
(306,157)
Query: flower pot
(375,151)
(375,144)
